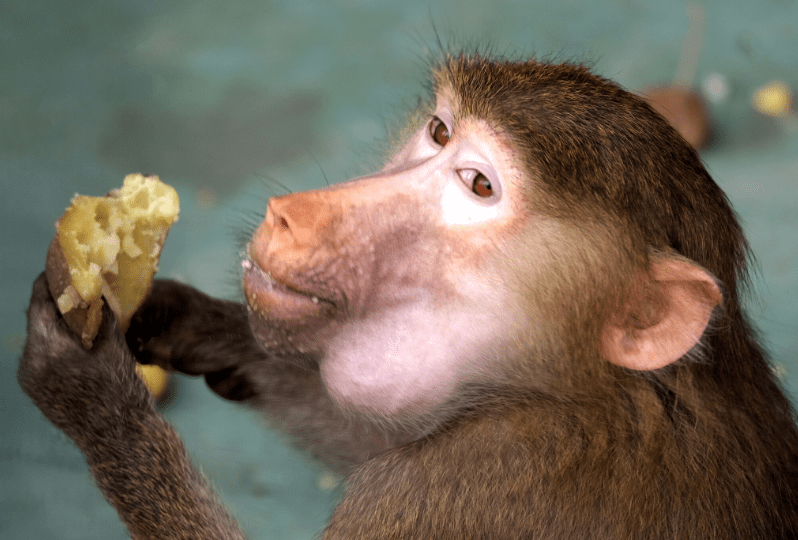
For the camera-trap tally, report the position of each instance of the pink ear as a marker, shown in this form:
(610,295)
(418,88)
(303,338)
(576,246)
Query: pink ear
(688,295)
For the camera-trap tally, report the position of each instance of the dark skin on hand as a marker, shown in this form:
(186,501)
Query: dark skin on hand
(526,325)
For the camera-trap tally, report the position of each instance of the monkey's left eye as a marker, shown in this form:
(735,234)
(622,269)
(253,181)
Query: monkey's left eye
(438,131)
(482,186)
(477,182)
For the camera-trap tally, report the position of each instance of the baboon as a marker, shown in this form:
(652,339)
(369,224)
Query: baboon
(526,325)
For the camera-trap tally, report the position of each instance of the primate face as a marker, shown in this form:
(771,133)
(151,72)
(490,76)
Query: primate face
(385,274)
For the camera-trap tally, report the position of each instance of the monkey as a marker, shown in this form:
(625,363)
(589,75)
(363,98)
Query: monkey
(528,324)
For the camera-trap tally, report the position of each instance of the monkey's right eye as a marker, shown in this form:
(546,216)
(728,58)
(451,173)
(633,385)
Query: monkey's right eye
(438,131)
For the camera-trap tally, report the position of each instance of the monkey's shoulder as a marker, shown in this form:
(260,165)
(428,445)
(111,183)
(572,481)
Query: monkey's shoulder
(487,475)
(527,467)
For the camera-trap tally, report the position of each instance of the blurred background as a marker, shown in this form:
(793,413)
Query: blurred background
(223,99)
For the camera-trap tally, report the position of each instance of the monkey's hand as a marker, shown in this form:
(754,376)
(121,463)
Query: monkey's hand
(180,328)
(84,393)
(97,399)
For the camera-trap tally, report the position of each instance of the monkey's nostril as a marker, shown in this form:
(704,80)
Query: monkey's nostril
(283,223)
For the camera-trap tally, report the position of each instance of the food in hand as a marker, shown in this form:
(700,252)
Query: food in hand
(108,248)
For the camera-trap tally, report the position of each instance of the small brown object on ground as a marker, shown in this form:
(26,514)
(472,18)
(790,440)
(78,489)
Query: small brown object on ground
(685,110)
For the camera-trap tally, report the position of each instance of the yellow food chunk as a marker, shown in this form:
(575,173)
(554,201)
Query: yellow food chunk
(155,379)
(112,244)
(773,99)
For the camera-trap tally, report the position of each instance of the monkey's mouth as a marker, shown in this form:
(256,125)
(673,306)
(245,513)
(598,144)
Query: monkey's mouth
(274,300)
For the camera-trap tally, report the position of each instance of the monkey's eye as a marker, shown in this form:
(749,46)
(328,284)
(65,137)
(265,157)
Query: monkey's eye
(478,182)
(482,186)
(438,131)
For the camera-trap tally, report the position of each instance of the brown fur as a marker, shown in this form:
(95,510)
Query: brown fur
(560,443)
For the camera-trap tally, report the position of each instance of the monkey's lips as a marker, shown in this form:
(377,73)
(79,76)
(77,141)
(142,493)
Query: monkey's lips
(274,300)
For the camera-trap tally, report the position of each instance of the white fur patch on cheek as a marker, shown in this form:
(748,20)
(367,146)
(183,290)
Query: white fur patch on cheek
(458,209)
(402,363)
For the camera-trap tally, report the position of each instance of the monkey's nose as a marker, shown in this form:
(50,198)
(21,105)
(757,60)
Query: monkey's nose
(294,227)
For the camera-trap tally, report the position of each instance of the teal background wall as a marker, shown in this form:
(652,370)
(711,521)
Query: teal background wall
(220,97)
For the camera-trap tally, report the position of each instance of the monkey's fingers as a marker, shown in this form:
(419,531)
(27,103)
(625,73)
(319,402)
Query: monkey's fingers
(182,329)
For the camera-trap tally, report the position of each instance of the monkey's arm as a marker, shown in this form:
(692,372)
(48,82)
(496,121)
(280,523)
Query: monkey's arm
(136,458)
(181,328)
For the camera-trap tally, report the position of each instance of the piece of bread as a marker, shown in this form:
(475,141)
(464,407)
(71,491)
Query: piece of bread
(108,247)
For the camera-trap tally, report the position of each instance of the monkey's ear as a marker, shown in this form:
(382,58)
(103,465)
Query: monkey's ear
(665,325)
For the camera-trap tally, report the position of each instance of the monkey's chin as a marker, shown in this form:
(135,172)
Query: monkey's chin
(272,300)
